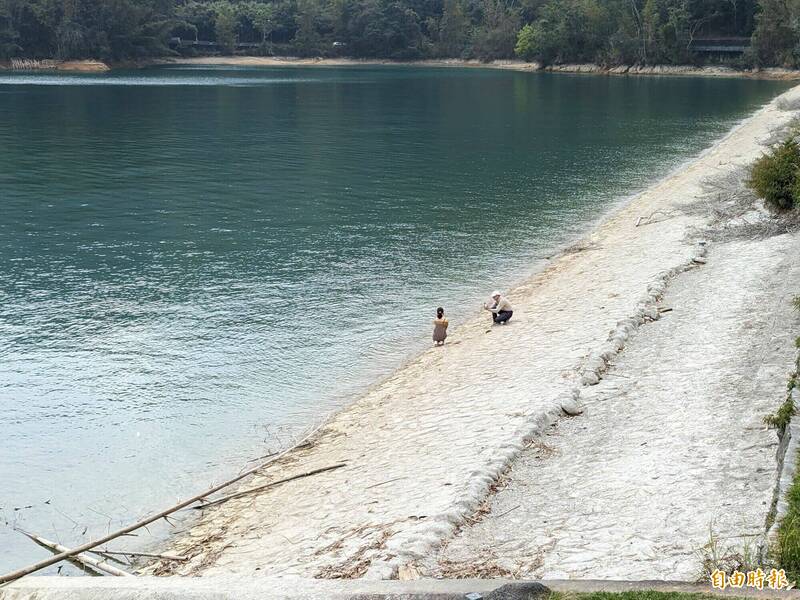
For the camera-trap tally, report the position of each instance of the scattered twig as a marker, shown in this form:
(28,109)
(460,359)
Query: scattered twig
(508,511)
(171,524)
(262,457)
(374,485)
(612,374)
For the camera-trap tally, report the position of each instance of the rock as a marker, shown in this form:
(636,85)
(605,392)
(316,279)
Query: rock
(652,313)
(590,378)
(699,260)
(571,407)
(608,351)
(381,570)
(407,573)
(595,363)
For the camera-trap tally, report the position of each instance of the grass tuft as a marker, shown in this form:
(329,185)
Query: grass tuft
(715,555)
(780,419)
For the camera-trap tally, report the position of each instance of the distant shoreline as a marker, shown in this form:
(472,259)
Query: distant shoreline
(509,65)
(97,66)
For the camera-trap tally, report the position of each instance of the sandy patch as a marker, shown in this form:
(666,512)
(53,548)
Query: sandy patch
(83,66)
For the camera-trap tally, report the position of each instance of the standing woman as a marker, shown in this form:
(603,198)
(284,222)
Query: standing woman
(439,327)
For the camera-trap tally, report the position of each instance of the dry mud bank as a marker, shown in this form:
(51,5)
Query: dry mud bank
(424,448)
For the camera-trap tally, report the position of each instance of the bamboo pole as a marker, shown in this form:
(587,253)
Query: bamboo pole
(266,485)
(100,565)
(147,520)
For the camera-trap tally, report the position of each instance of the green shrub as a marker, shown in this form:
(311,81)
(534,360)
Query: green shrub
(774,176)
(780,419)
(788,547)
(527,43)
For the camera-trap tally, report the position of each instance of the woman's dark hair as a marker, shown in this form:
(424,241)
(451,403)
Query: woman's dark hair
(439,312)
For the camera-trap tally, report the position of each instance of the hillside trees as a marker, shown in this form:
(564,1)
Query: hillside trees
(8,34)
(643,31)
(495,35)
(454,29)
(602,31)
(776,33)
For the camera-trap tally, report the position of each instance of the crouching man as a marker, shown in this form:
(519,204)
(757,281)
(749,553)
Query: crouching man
(500,308)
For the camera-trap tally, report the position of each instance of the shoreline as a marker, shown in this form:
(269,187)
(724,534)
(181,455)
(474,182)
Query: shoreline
(97,66)
(425,446)
(772,73)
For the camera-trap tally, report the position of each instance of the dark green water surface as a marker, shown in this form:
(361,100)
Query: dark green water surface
(197,263)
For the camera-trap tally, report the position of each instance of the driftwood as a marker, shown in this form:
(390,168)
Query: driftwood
(642,220)
(266,485)
(100,565)
(67,553)
(143,554)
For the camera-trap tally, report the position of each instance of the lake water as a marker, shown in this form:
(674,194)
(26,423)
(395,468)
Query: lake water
(198,263)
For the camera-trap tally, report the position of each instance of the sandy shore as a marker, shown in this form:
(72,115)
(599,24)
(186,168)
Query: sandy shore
(424,449)
(83,66)
(512,65)
(96,66)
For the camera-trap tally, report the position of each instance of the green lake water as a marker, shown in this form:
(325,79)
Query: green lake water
(197,263)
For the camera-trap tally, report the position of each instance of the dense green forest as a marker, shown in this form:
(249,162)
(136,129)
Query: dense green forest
(603,31)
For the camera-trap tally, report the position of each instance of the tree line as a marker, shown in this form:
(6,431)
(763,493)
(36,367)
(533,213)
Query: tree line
(606,32)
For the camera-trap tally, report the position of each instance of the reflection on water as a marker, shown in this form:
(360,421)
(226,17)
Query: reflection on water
(196,263)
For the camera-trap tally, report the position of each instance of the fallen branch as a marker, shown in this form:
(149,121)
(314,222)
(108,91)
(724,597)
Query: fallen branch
(125,563)
(67,553)
(100,565)
(265,486)
(142,554)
